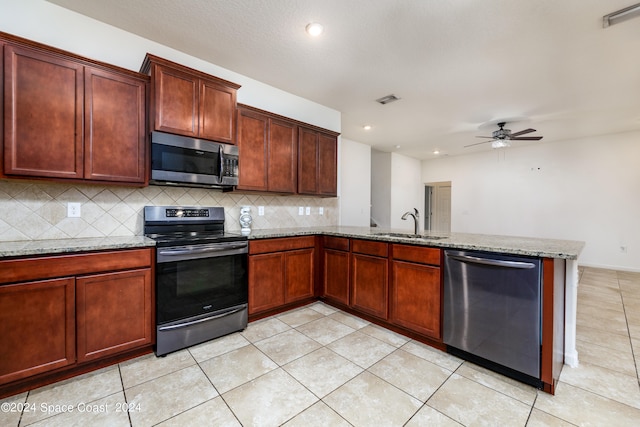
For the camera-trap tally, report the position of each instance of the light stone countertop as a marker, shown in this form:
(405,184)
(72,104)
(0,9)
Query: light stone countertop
(545,248)
(549,248)
(62,246)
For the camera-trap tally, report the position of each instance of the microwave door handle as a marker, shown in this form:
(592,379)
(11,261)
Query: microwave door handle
(221,158)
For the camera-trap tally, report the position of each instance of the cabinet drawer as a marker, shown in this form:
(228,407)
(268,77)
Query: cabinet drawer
(417,254)
(19,270)
(338,243)
(370,247)
(281,244)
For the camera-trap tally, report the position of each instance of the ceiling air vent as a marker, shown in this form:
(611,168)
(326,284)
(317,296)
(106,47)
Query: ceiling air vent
(387,99)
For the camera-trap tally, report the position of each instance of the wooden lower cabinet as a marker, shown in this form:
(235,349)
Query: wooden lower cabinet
(336,275)
(67,314)
(415,298)
(415,293)
(37,328)
(370,284)
(113,313)
(281,271)
(266,273)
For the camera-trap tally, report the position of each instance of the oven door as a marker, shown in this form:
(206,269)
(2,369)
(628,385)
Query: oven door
(198,279)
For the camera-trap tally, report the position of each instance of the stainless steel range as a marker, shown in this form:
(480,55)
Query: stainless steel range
(201,276)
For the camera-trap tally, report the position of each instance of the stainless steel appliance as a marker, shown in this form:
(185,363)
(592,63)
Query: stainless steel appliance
(192,162)
(492,311)
(201,276)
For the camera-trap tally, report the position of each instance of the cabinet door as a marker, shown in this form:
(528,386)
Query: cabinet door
(43,114)
(176,101)
(37,326)
(327,165)
(217,112)
(266,282)
(114,313)
(114,127)
(369,282)
(282,157)
(415,298)
(307,161)
(252,144)
(336,275)
(299,274)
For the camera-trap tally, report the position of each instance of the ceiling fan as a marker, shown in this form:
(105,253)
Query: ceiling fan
(502,137)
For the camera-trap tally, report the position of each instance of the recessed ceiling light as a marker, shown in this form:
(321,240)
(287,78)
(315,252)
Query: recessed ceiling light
(314,29)
(436,152)
(397,146)
(366,127)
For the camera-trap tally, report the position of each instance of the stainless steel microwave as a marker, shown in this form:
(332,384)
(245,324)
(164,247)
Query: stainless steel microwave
(180,160)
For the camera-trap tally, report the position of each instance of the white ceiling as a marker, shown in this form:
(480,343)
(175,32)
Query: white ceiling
(459,66)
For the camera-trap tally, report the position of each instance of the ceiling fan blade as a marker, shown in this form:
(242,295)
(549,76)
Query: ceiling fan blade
(522,132)
(477,143)
(490,137)
(526,138)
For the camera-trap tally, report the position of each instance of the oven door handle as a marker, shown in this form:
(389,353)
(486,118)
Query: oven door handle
(178,252)
(195,322)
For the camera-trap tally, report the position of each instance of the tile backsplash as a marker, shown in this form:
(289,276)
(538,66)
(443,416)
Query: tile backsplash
(38,210)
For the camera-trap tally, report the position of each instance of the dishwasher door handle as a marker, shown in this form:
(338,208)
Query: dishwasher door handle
(492,262)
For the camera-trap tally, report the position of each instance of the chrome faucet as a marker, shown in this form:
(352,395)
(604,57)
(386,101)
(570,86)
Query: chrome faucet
(415,216)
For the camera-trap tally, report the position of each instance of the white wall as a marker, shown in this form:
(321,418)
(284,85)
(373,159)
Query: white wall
(586,189)
(355,188)
(407,191)
(396,187)
(53,25)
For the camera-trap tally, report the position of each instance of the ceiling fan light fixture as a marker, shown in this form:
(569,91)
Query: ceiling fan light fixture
(621,15)
(500,143)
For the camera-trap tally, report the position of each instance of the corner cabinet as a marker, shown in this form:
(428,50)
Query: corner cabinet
(66,117)
(188,102)
(67,314)
(281,273)
(317,162)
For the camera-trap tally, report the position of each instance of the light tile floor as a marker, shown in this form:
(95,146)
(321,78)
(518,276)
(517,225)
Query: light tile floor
(319,366)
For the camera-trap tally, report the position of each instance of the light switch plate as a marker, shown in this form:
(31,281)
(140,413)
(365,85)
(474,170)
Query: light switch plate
(321,211)
(300,210)
(73,210)
(260,210)
(308,210)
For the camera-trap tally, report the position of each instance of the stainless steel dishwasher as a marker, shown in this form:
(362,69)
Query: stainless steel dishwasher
(492,311)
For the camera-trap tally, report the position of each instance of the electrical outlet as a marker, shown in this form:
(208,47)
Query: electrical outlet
(320,211)
(260,210)
(73,210)
(300,210)
(308,210)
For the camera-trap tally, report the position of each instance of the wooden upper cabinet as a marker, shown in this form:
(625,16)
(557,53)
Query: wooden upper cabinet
(317,162)
(43,114)
(252,145)
(69,117)
(176,101)
(282,156)
(217,112)
(115,127)
(268,152)
(191,103)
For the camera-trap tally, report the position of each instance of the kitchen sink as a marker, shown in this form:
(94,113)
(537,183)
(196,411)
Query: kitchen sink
(410,236)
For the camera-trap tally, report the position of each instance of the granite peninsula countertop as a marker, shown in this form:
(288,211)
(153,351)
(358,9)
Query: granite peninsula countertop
(546,248)
(550,248)
(62,246)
